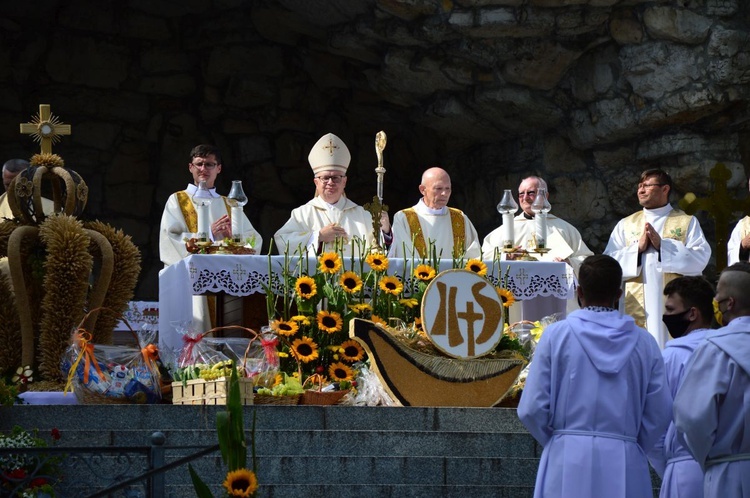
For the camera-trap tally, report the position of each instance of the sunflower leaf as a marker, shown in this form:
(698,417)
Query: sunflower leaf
(201,489)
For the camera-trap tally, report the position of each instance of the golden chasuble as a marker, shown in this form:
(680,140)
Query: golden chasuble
(457,225)
(191,220)
(675,227)
(189,213)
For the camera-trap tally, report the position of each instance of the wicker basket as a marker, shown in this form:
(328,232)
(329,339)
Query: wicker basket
(88,397)
(317,396)
(210,392)
(268,399)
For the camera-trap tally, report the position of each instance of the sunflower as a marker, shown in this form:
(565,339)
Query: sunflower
(340,371)
(351,351)
(477,266)
(350,282)
(329,262)
(360,308)
(284,328)
(391,285)
(329,321)
(305,287)
(506,296)
(305,349)
(301,319)
(409,302)
(378,262)
(425,273)
(378,320)
(241,482)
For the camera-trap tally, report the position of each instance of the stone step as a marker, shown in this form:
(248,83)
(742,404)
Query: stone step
(317,451)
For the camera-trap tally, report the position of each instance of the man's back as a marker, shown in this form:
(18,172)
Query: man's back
(596,398)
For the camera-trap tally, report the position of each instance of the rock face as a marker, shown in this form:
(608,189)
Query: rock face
(586,93)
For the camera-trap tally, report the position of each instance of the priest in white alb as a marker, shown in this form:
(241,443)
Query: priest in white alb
(432,224)
(563,239)
(329,222)
(179,222)
(654,246)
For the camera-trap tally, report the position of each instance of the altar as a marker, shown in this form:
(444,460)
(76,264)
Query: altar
(542,288)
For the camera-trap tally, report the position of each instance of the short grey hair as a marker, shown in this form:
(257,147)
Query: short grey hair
(15,165)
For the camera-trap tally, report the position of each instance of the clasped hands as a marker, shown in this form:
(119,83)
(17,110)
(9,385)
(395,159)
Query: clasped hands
(649,237)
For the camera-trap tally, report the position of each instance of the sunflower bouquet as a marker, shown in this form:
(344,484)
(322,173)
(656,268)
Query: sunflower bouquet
(321,298)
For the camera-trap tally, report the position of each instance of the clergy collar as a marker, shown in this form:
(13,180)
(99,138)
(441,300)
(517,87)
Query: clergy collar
(527,215)
(660,211)
(422,207)
(192,188)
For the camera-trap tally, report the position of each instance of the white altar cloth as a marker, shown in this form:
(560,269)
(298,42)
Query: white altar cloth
(242,275)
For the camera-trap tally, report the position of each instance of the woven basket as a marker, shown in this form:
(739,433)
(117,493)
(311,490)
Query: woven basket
(318,396)
(88,397)
(267,399)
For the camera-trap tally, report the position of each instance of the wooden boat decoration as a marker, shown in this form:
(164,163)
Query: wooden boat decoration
(415,378)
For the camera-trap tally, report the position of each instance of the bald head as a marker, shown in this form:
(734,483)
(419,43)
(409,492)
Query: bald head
(11,169)
(435,188)
(731,291)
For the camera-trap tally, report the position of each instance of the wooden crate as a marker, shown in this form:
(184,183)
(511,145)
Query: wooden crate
(209,392)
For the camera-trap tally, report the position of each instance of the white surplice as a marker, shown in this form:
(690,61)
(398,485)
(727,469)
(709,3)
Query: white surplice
(741,229)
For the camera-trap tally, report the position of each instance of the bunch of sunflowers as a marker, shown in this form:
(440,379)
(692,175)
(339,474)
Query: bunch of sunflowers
(314,323)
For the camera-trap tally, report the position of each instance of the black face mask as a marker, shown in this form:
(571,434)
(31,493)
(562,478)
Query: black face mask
(676,324)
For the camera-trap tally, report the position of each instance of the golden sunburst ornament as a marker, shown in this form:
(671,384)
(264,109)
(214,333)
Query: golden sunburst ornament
(305,349)
(391,285)
(477,266)
(329,321)
(45,128)
(329,262)
(340,371)
(241,482)
(350,282)
(351,351)
(378,262)
(305,287)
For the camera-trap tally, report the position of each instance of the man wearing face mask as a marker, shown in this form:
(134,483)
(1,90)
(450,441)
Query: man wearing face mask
(710,410)
(688,315)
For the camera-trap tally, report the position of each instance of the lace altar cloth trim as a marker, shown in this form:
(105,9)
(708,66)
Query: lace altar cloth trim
(241,275)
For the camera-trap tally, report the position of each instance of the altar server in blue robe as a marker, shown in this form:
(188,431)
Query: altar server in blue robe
(712,406)
(596,397)
(688,315)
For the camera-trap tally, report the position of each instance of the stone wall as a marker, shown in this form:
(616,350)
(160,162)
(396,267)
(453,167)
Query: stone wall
(584,92)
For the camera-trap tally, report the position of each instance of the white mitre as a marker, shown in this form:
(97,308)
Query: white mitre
(329,154)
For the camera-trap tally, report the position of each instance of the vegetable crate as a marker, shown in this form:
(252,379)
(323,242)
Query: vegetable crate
(209,392)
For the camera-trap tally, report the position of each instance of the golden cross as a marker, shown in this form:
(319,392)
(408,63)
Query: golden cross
(719,206)
(45,128)
(330,146)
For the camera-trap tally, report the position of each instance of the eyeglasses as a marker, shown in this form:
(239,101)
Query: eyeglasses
(648,185)
(208,166)
(530,193)
(332,179)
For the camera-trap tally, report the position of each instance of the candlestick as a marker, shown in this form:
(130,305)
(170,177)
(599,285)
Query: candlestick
(237,200)
(202,201)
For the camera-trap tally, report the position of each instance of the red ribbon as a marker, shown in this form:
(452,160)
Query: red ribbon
(269,347)
(187,351)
